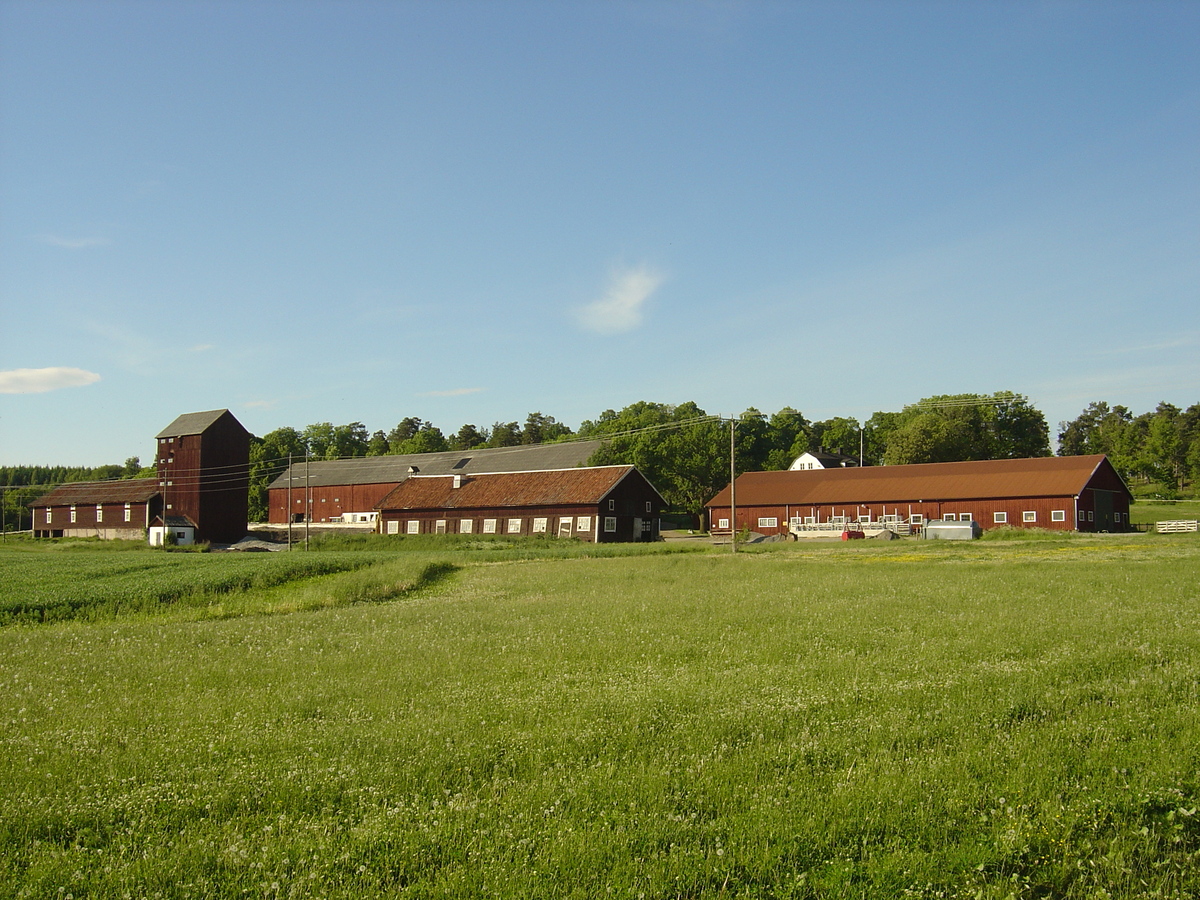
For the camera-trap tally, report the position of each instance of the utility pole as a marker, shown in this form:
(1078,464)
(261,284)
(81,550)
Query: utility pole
(732,486)
(290,507)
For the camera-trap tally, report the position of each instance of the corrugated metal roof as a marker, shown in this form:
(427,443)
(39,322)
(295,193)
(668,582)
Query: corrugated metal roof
(1050,476)
(83,493)
(191,423)
(383,469)
(558,487)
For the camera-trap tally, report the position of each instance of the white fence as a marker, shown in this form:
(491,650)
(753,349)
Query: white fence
(801,529)
(1177,525)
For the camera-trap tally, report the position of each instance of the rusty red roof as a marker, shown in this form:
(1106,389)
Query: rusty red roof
(556,487)
(1049,476)
(83,493)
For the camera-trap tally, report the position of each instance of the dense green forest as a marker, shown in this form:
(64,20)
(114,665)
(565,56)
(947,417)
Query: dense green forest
(684,450)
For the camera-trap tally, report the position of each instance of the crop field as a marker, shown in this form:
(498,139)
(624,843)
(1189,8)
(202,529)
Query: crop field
(907,719)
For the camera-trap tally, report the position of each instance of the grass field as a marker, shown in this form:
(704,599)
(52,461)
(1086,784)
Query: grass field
(1146,512)
(906,719)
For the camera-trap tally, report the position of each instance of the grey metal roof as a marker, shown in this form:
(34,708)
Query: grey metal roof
(191,423)
(385,469)
(81,493)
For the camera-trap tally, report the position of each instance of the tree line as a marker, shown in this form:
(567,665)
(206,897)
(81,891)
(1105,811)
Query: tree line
(1160,448)
(684,450)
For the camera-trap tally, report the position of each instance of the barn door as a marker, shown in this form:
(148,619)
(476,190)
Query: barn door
(1104,510)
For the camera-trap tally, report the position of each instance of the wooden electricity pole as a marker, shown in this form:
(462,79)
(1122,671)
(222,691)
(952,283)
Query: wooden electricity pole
(732,486)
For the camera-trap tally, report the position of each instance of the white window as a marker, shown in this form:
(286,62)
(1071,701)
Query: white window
(99,513)
(583,523)
(1081,515)
(170,506)
(810,520)
(72,514)
(128,513)
(1029,515)
(47,515)
(466,526)
(414,526)
(539,526)
(1058,515)
(649,506)
(612,504)
(838,520)
(394,526)
(917,519)
(966,517)
(768,522)
(564,526)
(610,524)
(439,527)
(514,526)
(1116,517)
(1090,516)
(999,517)
(722,523)
(489,526)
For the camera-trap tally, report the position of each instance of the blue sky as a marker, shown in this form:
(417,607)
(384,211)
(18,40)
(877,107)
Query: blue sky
(467,211)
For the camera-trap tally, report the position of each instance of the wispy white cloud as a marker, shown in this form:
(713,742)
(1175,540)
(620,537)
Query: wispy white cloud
(620,309)
(38,381)
(201,348)
(132,350)
(260,404)
(82,243)
(453,392)
(1183,340)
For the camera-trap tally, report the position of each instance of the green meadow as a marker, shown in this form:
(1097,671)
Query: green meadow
(1003,718)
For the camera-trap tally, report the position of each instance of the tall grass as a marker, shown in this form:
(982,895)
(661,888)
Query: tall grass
(49,587)
(967,721)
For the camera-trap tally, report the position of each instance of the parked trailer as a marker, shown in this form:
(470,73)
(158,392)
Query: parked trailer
(952,530)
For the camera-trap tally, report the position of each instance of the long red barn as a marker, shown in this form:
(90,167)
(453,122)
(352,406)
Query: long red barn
(597,504)
(1065,493)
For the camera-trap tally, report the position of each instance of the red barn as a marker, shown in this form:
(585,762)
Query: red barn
(202,490)
(113,510)
(1065,493)
(597,504)
(348,490)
